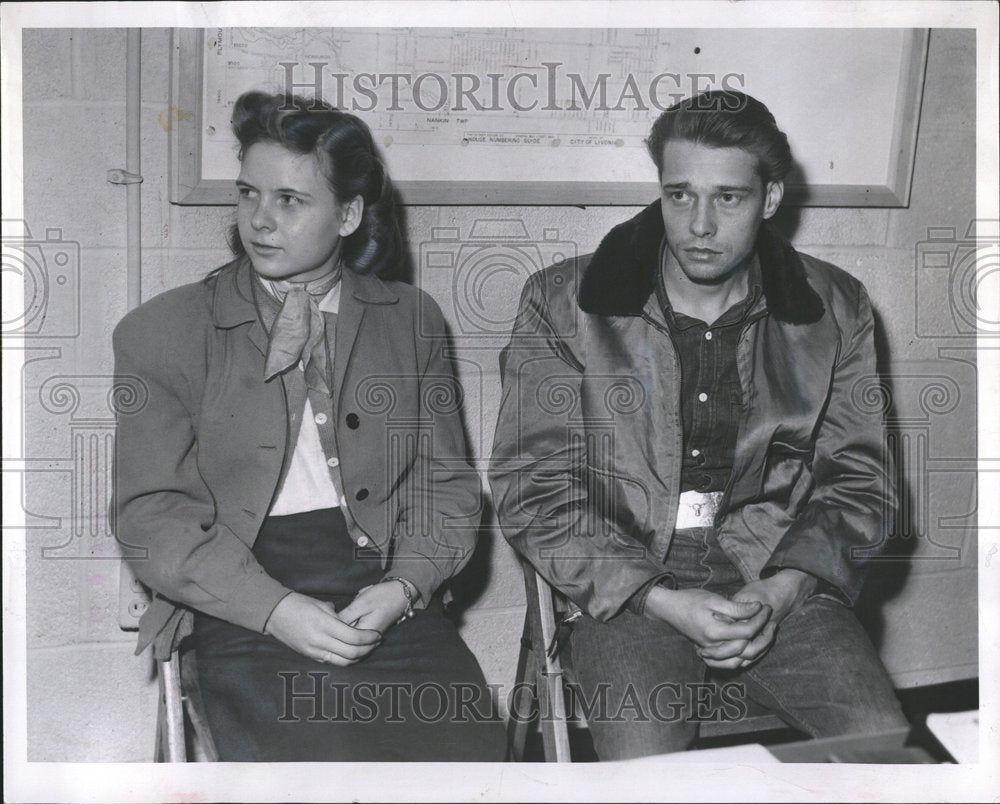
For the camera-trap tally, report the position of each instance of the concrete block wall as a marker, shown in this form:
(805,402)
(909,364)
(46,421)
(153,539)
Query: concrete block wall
(89,698)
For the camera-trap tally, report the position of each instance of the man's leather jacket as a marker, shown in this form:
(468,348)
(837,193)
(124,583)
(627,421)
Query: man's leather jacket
(587,455)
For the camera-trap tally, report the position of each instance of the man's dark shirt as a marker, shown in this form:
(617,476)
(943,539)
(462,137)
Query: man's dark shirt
(711,396)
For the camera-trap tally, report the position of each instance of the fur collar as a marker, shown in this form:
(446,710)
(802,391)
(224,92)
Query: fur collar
(622,273)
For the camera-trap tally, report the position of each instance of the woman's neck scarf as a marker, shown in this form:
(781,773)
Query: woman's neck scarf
(297,329)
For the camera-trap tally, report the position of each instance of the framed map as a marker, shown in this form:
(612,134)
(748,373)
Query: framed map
(557,116)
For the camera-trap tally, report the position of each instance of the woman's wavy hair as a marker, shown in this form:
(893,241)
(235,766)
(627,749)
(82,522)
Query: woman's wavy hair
(346,151)
(725,119)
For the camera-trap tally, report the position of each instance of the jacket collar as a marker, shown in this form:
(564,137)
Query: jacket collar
(621,275)
(233,302)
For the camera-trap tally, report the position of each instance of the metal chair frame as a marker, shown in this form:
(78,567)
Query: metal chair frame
(179,697)
(541,672)
(180,705)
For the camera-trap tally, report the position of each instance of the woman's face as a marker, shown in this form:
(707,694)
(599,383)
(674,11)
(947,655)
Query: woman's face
(289,220)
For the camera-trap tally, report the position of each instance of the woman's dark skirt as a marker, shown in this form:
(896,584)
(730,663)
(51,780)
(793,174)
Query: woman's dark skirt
(420,695)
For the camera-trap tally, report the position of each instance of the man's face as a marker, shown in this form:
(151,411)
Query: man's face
(713,205)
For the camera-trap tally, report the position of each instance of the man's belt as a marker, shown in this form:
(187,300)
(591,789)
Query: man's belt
(697,509)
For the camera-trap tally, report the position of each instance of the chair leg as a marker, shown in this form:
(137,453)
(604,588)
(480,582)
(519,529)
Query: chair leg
(548,670)
(161,722)
(172,735)
(552,689)
(202,734)
(204,748)
(552,705)
(547,721)
(518,727)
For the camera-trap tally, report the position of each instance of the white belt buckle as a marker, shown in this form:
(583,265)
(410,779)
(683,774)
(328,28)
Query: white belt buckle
(696,509)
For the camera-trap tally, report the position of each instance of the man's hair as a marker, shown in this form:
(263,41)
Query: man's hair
(724,119)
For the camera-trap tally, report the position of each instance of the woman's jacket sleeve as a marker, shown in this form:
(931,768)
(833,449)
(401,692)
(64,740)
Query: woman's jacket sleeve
(163,512)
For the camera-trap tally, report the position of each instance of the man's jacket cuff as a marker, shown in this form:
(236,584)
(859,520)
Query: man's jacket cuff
(637,603)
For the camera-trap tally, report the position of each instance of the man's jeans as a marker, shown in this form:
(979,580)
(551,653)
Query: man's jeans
(646,687)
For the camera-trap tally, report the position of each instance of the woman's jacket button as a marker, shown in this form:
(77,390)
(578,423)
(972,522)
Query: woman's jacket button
(361,495)
(363,541)
(353,421)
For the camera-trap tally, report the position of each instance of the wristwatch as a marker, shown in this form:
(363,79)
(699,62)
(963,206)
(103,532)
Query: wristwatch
(408,591)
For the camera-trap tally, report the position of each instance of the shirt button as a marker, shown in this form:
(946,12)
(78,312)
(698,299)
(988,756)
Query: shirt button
(708,335)
(363,541)
(320,418)
(703,397)
(695,453)
(333,462)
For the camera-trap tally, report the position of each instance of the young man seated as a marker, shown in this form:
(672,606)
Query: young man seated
(679,451)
